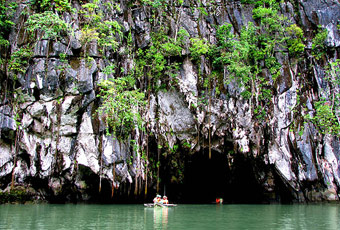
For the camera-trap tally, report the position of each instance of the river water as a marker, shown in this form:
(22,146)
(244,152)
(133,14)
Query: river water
(49,216)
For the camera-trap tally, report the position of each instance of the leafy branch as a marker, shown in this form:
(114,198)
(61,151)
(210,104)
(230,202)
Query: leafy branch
(121,105)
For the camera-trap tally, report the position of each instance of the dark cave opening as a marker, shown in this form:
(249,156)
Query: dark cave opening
(207,179)
(244,187)
(284,194)
(231,177)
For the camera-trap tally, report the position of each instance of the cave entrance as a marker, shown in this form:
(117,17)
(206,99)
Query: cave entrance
(205,179)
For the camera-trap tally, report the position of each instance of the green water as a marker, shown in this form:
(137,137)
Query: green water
(47,216)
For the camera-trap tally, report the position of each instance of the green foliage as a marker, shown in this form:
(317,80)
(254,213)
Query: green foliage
(324,118)
(89,31)
(264,14)
(225,37)
(318,43)
(15,196)
(246,58)
(48,24)
(105,32)
(203,11)
(186,145)
(327,109)
(151,58)
(260,112)
(153,62)
(121,104)
(236,54)
(271,37)
(180,2)
(19,60)
(248,1)
(198,48)
(48,5)
(174,148)
(154,3)
(88,34)
(295,40)
(64,62)
(173,47)
(260,2)
(333,72)
(92,15)
(7,10)
(110,69)
(182,36)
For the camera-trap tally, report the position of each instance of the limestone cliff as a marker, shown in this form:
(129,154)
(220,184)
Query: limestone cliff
(54,140)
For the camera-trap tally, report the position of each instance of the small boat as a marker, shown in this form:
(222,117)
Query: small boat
(152,205)
(219,200)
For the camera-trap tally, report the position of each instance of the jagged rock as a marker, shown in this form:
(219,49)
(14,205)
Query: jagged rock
(75,40)
(6,163)
(37,110)
(59,48)
(26,121)
(324,13)
(56,185)
(41,49)
(60,133)
(84,76)
(188,24)
(175,114)
(7,123)
(87,151)
(188,82)
(70,82)
(308,170)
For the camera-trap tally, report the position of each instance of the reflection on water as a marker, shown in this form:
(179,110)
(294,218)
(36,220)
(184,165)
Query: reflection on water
(160,217)
(180,217)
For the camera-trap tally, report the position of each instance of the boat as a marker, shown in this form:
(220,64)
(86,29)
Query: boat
(219,200)
(152,205)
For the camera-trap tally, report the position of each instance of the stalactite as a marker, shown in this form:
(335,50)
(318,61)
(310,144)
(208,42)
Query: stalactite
(101,163)
(113,172)
(56,155)
(177,21)
(209,118)
(147,140)
(158,163)
(147,168)
(113,178)
(15,158)
(138,160)
(136,185)
(129,189)
(140,186)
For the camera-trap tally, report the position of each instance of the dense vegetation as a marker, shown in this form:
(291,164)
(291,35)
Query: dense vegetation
(247,57)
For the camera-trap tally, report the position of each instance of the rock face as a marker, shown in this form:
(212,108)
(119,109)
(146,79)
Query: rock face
(54,140)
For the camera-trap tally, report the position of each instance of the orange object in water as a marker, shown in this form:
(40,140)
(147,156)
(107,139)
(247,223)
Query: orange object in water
(219,200)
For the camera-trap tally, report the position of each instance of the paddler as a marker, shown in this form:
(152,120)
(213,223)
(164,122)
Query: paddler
(157,199)
(219,200)
(165,200)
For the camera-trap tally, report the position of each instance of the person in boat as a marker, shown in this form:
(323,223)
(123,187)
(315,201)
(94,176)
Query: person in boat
(165,200)
(219,200)
(157,199)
